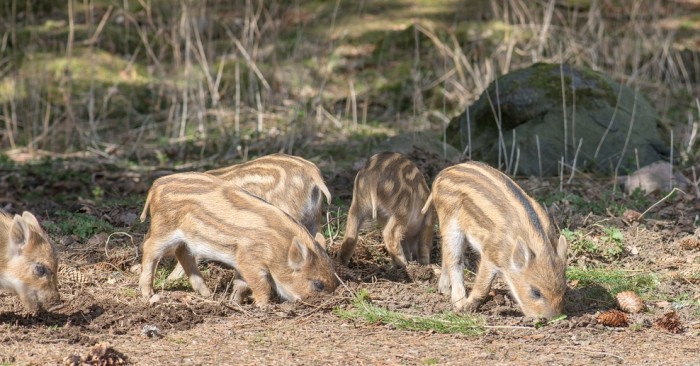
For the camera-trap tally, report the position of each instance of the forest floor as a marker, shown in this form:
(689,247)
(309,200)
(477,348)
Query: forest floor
(98,236)
(380,315)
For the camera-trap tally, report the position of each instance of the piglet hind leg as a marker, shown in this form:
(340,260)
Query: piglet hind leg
(410,247)
(425,241)
(189,265)
(148,267)
(393,235)
(355,219)
(452,274)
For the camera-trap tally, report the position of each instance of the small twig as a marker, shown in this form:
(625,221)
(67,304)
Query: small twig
(93,39)
(577,349)
(225,303)
(670,160)
(573,167)
(120,233)
(539,155)
(661,200)
(563,108)
(508,327)
(316,308)
(629,133)
(561,175)
(248,59)
(353,101)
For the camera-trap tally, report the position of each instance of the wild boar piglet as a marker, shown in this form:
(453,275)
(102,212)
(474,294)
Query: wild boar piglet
(28,262)
(512,233)
(200,215)
(290,183)
(391,189)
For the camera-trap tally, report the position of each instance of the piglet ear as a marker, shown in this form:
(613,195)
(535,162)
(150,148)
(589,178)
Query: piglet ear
(19,235)
(521,256)
(298,254)
(31,220)
(320,240)
(562,247)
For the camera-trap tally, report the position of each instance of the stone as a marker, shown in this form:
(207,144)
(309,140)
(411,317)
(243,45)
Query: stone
(528,104)
(654,177)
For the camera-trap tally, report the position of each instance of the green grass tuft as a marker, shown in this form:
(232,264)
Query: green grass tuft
(79,224)
(604,243)
(614,281)
(161,280)
(448,322)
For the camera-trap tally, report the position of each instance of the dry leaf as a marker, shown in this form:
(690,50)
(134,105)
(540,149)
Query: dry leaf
(631,215)
(101,354)
(669,322)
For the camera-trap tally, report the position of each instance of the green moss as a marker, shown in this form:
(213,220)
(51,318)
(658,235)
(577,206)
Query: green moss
(543,79)
(79,224)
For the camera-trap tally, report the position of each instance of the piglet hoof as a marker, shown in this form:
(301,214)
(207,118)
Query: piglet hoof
(204,293)
(264,307)
(146,296)
(444,285)
(154,299)
(240,291)
(445,290)
(466,306)
(471,306)
(460,305)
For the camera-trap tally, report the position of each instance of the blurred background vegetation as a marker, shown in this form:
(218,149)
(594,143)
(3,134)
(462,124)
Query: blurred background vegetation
(184,83)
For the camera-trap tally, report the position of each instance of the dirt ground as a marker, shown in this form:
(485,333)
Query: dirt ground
(102,320)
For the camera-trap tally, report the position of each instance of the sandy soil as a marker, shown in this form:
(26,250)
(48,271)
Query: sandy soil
(101,305)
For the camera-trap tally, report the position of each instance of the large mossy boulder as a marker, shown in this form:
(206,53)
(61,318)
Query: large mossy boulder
(598,113)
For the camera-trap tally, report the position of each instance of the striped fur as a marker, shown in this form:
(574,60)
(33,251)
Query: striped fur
(28,264)
(200,215)
(392,190)
(289,182)
(513,234)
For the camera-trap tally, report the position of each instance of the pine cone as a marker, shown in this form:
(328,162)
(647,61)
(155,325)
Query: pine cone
(343,272)
(669,322)
(630,302)
(612,318)
(689,242)
(71,275)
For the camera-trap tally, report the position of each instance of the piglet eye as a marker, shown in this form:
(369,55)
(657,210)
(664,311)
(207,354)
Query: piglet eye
(535,293)
(40,270)
(318,286)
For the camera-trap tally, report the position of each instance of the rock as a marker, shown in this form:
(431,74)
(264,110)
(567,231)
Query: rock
(653,177)
(529,103)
